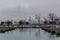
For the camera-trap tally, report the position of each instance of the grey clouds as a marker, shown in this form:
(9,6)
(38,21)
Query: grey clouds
(20,9)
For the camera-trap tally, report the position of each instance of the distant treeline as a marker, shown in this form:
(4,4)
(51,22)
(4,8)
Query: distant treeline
(15,23)
(52,19)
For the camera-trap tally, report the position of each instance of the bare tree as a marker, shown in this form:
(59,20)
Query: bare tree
(38,18)
(2,22)
(52,17)
(45,20)
(8,23)
(21,22)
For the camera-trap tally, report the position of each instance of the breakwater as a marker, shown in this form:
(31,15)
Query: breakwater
(6,29)
(54,29)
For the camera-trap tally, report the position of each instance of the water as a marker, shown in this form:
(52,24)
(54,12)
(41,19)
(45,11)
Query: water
(28,34)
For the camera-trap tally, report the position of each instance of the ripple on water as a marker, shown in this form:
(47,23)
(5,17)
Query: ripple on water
(28,34)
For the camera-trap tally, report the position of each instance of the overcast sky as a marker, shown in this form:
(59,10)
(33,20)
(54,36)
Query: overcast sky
(20,9)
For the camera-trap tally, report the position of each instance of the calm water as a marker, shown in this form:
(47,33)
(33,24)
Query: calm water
(28,34)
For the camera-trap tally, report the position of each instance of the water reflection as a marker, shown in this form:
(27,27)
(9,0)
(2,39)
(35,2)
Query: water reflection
(21,29)
(52,37)
(57,35)
(29,30)
(37,33)
(28,34)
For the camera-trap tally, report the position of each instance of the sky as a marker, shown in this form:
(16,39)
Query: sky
(21,9)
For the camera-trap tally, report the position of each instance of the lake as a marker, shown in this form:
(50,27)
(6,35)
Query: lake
(28,34)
